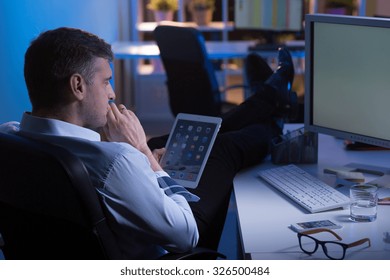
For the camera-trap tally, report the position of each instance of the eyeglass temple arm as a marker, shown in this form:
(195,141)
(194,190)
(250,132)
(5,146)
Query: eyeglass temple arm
(353,244)
(318,230)
(359,242)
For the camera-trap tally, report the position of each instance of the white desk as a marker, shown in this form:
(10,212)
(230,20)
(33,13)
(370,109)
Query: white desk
(214,26)
(264,214)
(215,49)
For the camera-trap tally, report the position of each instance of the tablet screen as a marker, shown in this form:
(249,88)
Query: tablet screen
(188,148)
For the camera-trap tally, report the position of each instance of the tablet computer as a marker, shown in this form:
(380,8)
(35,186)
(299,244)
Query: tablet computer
(188,147)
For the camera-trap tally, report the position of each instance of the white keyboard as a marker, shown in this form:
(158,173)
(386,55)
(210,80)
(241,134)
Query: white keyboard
(305,189)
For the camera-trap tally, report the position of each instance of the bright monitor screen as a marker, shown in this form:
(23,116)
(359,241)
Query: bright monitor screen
(273,15)
(347,77)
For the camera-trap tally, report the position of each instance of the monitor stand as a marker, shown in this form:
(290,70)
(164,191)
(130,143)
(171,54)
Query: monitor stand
(383,173)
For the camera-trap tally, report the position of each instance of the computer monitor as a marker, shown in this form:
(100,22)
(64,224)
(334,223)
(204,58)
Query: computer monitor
(347,77)
(269,15)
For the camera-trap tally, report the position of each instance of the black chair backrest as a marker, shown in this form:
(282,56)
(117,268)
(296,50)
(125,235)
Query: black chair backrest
(191,80)
(48,206)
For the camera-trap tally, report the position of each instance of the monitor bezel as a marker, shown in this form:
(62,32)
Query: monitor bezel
(310,20)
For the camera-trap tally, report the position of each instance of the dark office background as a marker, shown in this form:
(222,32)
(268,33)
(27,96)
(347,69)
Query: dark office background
(22,20)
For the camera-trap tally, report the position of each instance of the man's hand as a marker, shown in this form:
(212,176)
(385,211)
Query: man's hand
(158,153)
(124,126)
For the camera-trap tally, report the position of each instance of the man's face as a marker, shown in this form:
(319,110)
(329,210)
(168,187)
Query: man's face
(98,94)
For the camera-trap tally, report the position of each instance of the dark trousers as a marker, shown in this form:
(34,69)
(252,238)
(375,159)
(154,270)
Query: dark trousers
(243,141)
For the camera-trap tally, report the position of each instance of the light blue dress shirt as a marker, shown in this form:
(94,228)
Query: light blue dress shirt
(145,211)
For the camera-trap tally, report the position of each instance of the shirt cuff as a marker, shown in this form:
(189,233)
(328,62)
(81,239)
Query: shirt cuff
(161,173)
(171,187)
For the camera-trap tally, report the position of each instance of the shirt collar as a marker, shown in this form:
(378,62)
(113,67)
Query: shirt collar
(54,127)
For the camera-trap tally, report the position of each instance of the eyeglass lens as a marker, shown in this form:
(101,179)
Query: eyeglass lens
(331,249)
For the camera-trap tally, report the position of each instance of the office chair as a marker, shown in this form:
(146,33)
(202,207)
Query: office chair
(191,79)
(49,208)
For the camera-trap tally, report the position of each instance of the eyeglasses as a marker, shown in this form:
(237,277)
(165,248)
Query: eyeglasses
(333,250)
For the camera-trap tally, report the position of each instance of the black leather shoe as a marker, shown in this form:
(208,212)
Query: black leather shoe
(257,71)
(286,65)
(281,81)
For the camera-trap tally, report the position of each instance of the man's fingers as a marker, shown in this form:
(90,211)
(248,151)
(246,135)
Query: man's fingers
(110,115)
(122,108)
(115,109)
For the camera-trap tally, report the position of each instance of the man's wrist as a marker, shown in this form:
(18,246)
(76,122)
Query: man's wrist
(153,162)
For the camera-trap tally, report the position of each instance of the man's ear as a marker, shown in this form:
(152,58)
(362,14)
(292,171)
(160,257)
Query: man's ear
(78,86)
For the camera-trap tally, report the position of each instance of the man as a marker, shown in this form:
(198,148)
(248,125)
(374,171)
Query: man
(67,74)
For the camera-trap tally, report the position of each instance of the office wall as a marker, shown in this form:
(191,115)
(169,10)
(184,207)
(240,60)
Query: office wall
(22,20)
